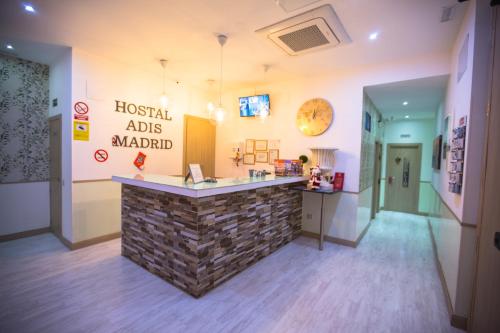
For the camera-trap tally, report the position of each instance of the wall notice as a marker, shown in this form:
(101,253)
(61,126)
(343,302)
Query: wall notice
(81,130)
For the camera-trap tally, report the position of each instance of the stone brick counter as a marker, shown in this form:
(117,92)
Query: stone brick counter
(197,243)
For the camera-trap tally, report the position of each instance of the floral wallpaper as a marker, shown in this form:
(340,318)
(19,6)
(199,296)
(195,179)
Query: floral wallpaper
(24,131)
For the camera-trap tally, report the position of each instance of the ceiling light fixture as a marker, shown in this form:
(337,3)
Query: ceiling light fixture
(407,116)
(163,97)
(9,47)
(373,36)
(405,103)
(219,111)
(29,8)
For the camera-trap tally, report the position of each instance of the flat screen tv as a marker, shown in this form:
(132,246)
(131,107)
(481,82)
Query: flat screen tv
(251,106)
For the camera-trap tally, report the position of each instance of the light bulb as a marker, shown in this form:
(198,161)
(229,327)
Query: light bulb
(210,106)
(219,114)
(164,101)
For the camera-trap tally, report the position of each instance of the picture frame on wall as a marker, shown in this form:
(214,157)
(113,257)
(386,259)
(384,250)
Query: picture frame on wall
(260,145)
(249,159)
(436,152)
(261,157)
(250,146)
(368,122)
(274,154)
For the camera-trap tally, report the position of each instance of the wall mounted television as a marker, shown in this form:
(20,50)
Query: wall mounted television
(251,106)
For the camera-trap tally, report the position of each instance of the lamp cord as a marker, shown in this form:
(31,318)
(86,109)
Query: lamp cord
(220,81)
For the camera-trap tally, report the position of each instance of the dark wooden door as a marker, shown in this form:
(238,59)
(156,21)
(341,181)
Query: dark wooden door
(55,174)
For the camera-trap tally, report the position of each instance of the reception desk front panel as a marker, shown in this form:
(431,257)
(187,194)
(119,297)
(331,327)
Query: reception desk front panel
(197,243)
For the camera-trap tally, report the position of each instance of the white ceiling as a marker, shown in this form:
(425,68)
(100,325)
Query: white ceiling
(423,97)
(140,32)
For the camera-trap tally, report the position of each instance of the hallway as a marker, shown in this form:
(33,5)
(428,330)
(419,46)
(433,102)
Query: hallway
(388,284)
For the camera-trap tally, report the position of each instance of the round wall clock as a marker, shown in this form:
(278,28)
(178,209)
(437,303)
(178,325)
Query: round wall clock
(314,116)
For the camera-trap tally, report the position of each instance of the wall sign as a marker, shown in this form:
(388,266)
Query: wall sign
(456,165)
(81,108)
(82,117)
(81,130)
(152,127)
(101,155)
(139,161)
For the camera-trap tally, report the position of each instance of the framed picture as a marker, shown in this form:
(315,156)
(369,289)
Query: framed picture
(436,152)
(195,173)
(274,154)
(274,144)
(368,122)
(261,157)
(260,145)
(249,159)
(250,146)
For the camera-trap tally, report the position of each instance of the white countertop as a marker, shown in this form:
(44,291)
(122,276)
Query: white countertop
(176,185)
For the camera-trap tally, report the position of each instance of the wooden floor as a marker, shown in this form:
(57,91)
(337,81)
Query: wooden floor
(388,284)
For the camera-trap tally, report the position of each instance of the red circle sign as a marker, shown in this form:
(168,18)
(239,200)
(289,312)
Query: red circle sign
(81,108)
(101,155)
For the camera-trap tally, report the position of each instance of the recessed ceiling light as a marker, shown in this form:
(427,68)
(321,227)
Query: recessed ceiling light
(407,116)
(373,35)
(9,46)
(29,8)
(405,103)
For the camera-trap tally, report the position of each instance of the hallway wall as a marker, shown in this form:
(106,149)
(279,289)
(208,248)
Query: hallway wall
(453,216)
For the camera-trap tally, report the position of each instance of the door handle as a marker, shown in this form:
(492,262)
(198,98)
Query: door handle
(497,240)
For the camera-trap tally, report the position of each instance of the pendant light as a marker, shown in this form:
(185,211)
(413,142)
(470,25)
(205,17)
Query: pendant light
(163,97)
(220,113)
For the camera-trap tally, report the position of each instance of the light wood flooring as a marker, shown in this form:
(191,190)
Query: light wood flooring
(388,284)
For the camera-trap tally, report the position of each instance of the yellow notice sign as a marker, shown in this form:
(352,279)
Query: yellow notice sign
(81,130)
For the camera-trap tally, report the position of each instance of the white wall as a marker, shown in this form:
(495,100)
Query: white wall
(345,92)
(457,104)
(456,242)
(24,206)
(98,82)
(60,88)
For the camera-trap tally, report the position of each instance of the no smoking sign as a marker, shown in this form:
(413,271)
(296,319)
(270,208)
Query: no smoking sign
(101,155)
(81,108)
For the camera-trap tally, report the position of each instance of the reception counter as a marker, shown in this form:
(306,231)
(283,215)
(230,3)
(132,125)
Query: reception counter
(196,236)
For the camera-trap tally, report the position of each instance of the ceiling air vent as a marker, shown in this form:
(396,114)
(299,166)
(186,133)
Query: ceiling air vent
(313,30)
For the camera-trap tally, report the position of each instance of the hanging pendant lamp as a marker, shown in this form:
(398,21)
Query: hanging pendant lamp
(163,97)
(220,113)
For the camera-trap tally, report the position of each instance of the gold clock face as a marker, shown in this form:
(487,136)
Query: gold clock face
(314,116)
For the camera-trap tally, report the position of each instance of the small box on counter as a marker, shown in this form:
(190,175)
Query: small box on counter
(288,168)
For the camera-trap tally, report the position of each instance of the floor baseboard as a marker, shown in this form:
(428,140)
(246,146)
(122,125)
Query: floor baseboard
(88,242)
(455,320)
(23,234)
(339,241)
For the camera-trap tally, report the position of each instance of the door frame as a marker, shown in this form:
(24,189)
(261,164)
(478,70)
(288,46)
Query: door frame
(56,229)
(419,164)
(487,214)
(377,176)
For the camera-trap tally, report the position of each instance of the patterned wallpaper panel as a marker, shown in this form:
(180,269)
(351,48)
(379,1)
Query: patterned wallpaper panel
(368,144)
(24,109)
